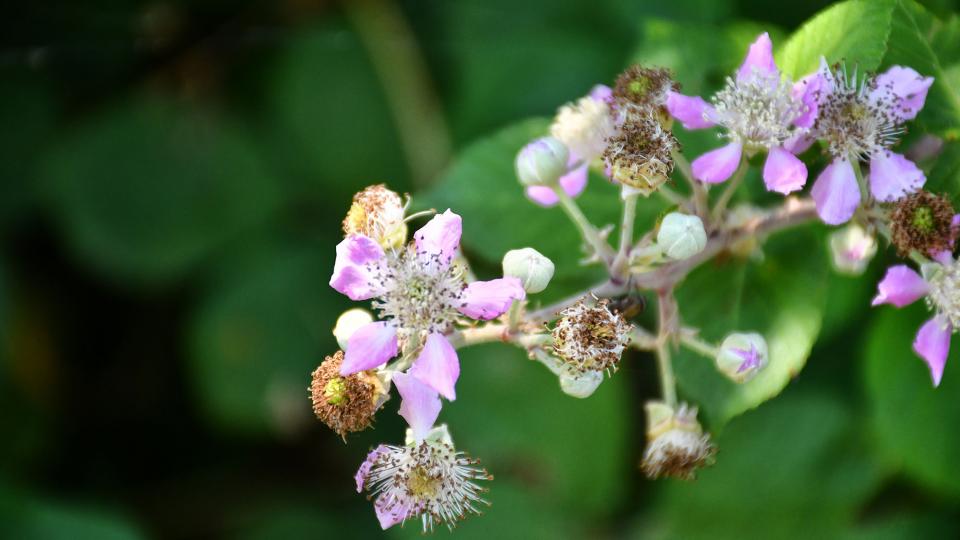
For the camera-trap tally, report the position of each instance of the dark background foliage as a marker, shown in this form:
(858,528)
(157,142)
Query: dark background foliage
(172,180)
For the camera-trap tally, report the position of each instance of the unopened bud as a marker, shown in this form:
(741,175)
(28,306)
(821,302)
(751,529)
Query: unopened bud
(542,162)
(681,236)
(851,249)
(580,385)
(349,322)
(529,266)
(742,356)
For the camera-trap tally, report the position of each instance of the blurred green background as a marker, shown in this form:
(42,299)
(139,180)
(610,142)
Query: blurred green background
(172,180)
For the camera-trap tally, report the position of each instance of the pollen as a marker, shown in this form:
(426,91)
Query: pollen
(856,119)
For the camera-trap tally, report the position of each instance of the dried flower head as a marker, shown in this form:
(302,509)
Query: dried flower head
(922,221)
(676,444)
(428,480)
(377,212)
(639,155)
(590,338)
(642,91)
(943,291)
(345,404)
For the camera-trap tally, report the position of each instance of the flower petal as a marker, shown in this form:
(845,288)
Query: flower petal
(369,347)
(438,366)
(808,90)
(364,470)
(420,405)
(892,176)
(440,236)
(933,345)
(573,184)
(799,143)
(389,516)
(836,193)
(906,84)
(717,165)
(900,286)
(356,256)
(759,59)
(692,111)
(485,300)
(783,172)
(602,92)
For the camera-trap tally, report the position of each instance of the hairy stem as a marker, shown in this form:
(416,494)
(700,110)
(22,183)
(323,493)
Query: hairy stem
(689,339)
(589,233)
(731,188)
(666,314)
(618,269)
(701,204)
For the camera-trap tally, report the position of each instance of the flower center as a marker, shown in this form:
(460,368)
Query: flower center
(422,292)
(422,484)
(923,219)
(856,121)
(944,295)
(335,391)
(758,111)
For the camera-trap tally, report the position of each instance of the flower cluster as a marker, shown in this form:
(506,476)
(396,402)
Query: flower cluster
(425,302)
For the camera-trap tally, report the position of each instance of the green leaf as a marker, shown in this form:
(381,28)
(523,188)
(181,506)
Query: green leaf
(913,421)
(147,190)
(482,187)
(910,45)
(782,298)
(257,337)
(855,32)
(27,518)
(792,469)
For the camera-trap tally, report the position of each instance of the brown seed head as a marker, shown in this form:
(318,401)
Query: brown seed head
(922,221)
(344,403)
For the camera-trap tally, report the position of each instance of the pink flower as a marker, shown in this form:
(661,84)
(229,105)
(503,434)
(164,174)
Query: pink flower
(940,285)
(760,110)
(419,295)
(860,121)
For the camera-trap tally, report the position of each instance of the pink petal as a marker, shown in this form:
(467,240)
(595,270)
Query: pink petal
(438,366)
(389,516)
(807,90)
(799,143)
(836,193)
(933,345)
(420,405)
(573,184)
(440,236)
(364,470)
(759,59)
(900,286)
(602,92)
(906,84)
(783,172)
(717,165)
(693,112)
(485,300)
(892,176)
(369,347)
(352,270)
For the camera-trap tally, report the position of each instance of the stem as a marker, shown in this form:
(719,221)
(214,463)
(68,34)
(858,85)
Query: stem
(668,382)
(405,79)
(618,269)
(493,333)
(671,196)
(730,189)
(691,341)
(865,198)
(699,190)
(587,230)
(514,316)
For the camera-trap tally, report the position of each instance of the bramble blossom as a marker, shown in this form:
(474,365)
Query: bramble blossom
(761,111)
(419,295)
(860,120)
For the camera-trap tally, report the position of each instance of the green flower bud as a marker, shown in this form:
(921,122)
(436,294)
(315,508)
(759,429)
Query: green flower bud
(742,356)
(542,162)
(580,385)
(530,267)
(348,323)
(851,249)
(681,236)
